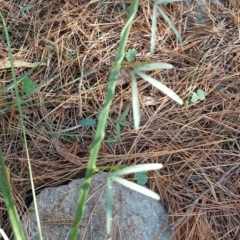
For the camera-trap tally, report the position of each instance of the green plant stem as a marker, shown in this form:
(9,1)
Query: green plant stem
(9,202)
(22,123)
(100,132)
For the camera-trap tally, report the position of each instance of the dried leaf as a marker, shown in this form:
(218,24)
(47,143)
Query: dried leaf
(123,77)
(149,101)
(17,64)
(67,155)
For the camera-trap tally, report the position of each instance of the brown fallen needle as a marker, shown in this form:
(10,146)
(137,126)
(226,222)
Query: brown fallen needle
(233,168)
(67,155)
(66,222)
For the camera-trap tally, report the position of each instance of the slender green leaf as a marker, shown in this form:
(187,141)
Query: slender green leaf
(9,201)
(153,66)
(124,7)
(18,99)
(118,132)
(171,25)
(124,115)
(88,122)
(154,22)
(109,206)
(135,102)
(154,28)
(161,87)
(123,124)
(136,187)
(138,168)
(110,141)
(103,116)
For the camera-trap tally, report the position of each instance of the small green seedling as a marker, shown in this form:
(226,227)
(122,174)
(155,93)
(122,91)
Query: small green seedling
(130,55)
(72,54)
(28,85)
(141,178)
(199,95)
(26,8)
(124,7)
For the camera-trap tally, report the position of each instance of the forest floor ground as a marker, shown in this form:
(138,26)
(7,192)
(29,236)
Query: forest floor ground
(198,143)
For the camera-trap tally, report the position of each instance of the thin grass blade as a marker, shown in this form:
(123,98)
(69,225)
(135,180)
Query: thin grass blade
(9,201)
(124,115)
(135,102)
(154,28)
(136,187)
(161,87)
(109,207)
(118,133)
(103,116)
(171,25)
(18,100)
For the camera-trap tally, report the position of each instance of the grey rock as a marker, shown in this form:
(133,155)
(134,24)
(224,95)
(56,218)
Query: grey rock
(201,17)
(135,216)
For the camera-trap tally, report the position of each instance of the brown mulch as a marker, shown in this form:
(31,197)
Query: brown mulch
(198,144)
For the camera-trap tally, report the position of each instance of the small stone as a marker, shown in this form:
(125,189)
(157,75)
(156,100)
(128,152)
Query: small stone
(135,216)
